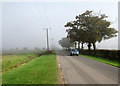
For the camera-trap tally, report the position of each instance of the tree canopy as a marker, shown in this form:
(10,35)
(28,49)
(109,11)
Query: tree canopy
(89,28)
(66,43)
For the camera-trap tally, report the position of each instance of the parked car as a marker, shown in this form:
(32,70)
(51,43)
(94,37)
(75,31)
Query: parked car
(74,52)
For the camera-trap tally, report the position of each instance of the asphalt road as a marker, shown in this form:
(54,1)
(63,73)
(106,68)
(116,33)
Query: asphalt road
(81,70)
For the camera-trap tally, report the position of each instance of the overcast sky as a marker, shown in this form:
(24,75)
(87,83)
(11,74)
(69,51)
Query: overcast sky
(24,22)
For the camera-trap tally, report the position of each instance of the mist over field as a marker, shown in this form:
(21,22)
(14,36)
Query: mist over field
(50,41)
(24,23)
(119,25)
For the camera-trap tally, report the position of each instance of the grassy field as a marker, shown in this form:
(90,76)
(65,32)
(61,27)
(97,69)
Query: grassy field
(41,70)
(103,60)
(0,70)
(9,61)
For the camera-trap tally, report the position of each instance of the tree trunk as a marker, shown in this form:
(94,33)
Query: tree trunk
(82,45)
(75,44)
(68,48)
(78,45)
(89,47)
(94,46)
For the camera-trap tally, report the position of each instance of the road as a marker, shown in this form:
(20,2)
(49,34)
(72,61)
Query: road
(81,70)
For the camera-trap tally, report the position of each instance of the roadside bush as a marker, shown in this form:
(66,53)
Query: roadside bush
(46,52)
(108,54)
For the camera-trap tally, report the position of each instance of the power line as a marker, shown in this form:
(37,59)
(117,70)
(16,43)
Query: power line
(41,19)
(44,7)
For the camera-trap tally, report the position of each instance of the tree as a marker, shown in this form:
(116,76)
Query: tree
(75,33)
(66,43)
(96,26)
(90,28)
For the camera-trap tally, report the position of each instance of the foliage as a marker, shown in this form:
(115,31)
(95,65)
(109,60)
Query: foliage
(66,43)
(90,28)
(107,54)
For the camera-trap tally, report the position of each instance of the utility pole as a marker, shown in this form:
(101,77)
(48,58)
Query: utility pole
(47,39)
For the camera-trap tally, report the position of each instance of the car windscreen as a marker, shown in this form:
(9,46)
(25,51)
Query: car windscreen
(74,49)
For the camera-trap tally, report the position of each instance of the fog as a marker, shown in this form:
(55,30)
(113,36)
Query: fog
(119,25)
(23,23)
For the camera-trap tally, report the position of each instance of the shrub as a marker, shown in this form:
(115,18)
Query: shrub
(108,54)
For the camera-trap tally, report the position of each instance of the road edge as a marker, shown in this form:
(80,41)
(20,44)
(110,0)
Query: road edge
(60,73)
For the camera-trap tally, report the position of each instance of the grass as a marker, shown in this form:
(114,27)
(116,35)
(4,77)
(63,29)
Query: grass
(9,61)
(103,60)
(41,70)
(0,70)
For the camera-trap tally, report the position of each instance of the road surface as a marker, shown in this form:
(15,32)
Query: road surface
(81,70)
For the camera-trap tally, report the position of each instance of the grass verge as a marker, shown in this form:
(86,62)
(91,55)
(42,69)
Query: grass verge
(103,60)
(41,70)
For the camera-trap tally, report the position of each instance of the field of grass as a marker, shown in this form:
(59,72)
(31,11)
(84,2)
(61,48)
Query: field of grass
(0,70)
(103,60)
(9,61)
(41,70)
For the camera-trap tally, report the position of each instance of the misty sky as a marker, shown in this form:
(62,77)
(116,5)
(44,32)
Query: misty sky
(24,22)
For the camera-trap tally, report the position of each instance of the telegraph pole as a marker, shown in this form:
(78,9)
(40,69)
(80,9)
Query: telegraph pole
(47,39)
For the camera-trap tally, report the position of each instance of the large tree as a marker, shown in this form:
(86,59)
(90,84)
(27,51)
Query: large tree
(90,28)
(97,27)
